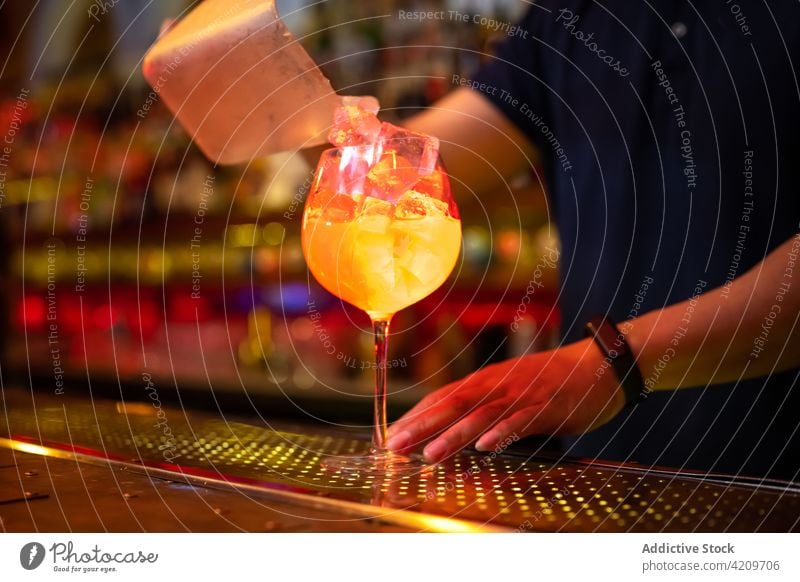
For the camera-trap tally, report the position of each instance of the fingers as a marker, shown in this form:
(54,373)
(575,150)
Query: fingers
(418,428)
(529,420)
(465,431)
(427,405)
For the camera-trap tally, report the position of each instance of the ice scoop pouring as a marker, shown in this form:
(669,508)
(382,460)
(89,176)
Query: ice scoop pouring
(239,82)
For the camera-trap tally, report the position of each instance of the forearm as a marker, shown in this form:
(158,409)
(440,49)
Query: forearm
(480,147)
(744,330)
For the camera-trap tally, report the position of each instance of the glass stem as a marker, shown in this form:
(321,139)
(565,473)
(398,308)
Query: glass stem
(381,331)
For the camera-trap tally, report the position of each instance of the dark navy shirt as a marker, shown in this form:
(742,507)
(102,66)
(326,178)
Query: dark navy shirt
(670,132)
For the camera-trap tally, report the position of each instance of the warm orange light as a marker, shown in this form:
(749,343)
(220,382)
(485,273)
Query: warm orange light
(377,254)
(32,449)
(443,524)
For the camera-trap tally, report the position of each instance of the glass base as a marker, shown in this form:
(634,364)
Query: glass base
(378,464)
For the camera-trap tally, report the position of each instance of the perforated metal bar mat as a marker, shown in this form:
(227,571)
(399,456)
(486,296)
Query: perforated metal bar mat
(503,491)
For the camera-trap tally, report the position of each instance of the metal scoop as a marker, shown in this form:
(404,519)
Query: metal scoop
(239,82)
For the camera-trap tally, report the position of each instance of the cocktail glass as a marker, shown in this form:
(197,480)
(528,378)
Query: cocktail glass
(381,231)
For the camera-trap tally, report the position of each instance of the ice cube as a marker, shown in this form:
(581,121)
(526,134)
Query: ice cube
(338,173)
(391,177)
(365,102)
(422,151)
(339,208)
(416,256)
(437,186)
(373,258)
(415,204)
(354,126)
(354,164)
(421,269)
(432,185)
(375,216)
(377,207)
(326,181)
(375,223)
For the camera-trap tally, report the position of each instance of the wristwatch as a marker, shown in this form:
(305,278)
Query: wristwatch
(618,353)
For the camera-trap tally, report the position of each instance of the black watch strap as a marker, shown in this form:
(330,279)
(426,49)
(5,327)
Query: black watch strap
(618,353)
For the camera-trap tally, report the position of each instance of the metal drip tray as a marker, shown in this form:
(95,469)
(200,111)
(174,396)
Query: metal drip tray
(469,492)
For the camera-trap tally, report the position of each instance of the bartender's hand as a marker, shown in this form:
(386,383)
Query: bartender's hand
(563,391)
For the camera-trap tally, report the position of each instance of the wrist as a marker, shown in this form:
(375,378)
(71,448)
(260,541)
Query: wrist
(618,358)
(596,370)
(643,339)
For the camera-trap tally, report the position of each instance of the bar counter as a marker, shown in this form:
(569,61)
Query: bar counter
(70,464)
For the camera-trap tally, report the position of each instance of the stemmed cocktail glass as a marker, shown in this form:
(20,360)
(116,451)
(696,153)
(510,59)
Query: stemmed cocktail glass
(381,231)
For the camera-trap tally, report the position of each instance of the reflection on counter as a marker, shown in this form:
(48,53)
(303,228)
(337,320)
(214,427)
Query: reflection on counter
(505,489)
